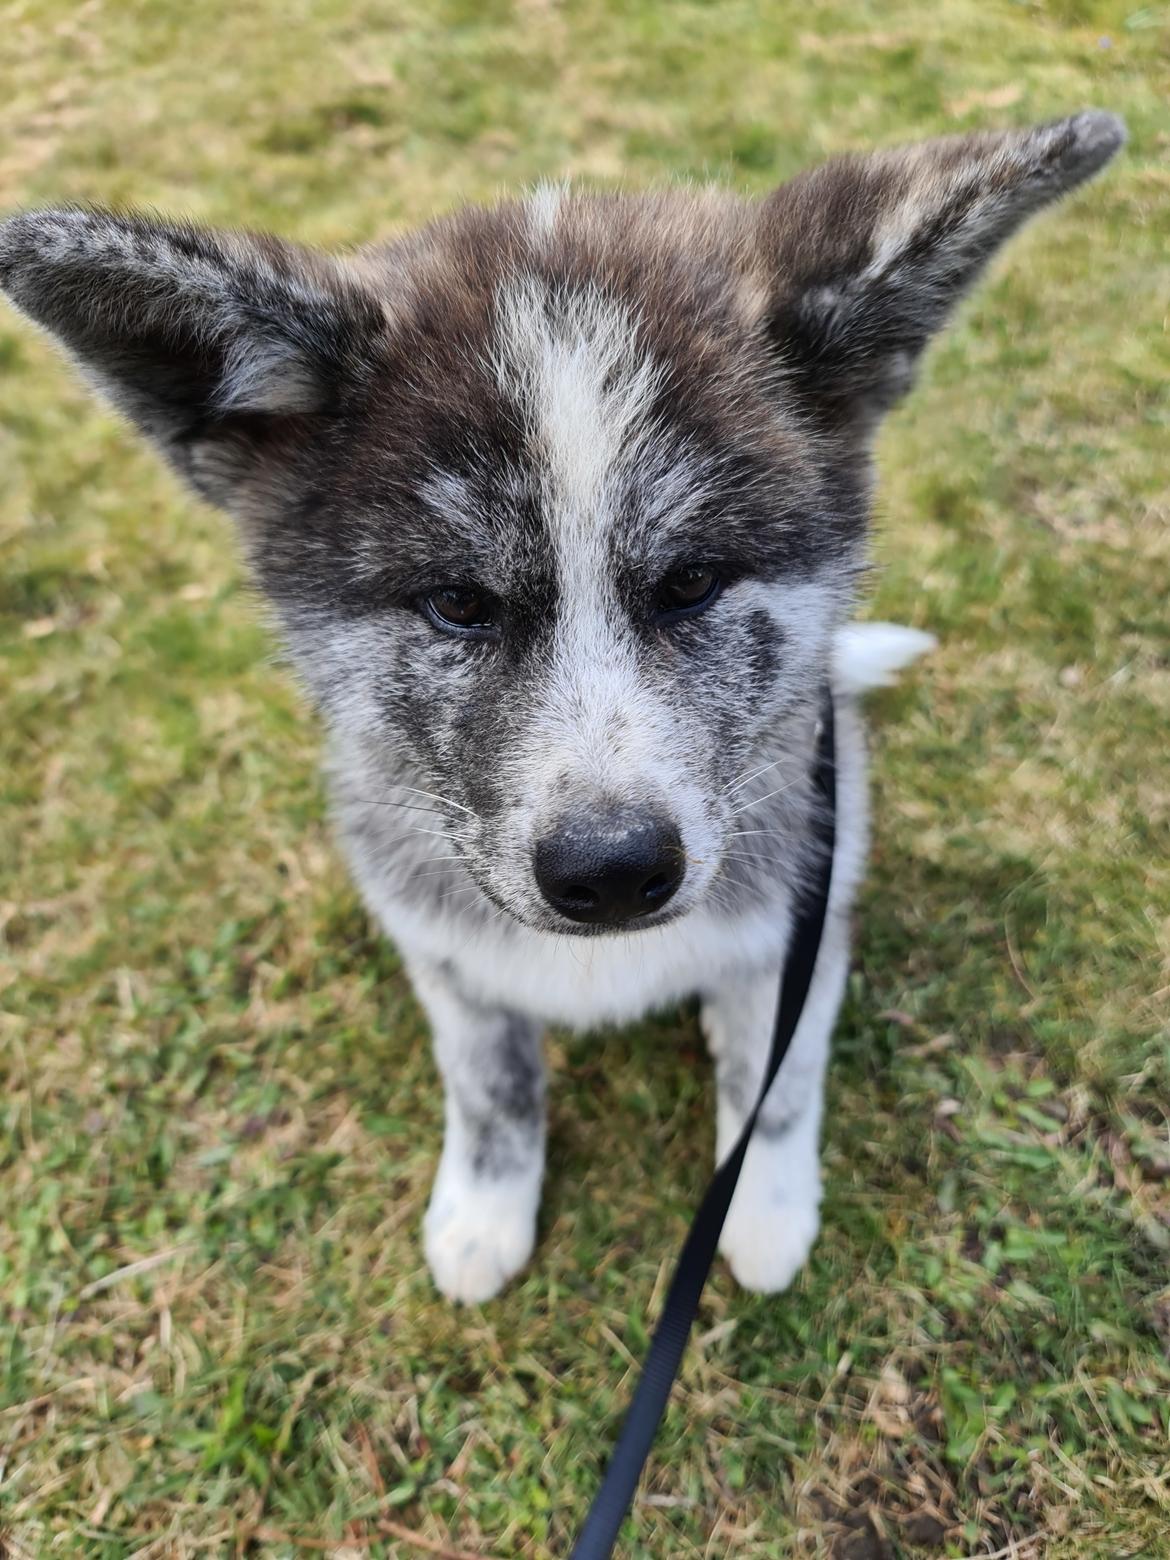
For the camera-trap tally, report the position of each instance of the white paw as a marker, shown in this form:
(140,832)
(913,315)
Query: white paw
(476,1243)
(766,1240)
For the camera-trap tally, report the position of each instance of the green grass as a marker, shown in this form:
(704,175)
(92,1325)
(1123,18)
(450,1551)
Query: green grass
(212,1068)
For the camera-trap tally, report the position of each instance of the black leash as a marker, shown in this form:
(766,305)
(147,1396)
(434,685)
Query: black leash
(645,1412)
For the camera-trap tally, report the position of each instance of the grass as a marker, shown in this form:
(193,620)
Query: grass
(219,1112)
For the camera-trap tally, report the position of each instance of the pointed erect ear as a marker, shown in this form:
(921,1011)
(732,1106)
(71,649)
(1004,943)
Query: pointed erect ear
(214,344)
(866,256)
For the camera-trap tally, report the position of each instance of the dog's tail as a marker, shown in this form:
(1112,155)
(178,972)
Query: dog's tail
(870,655)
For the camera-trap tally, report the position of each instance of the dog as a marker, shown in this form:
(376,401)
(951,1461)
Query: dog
(562,507)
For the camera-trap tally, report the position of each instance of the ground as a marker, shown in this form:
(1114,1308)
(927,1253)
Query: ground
(220,1115)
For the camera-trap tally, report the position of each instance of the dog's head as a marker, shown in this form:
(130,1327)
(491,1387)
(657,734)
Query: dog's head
(559,502)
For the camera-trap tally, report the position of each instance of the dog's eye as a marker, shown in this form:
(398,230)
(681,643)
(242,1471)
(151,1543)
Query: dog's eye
(464,611)
(687,590)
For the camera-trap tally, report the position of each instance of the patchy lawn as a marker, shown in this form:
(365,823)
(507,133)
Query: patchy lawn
(219,1111)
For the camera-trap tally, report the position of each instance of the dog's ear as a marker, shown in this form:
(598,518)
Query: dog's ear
(219,346)
(866,256)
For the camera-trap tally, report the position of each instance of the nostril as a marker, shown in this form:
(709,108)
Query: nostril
(658,886)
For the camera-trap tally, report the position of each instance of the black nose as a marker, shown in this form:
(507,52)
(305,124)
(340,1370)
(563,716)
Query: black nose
(610,866)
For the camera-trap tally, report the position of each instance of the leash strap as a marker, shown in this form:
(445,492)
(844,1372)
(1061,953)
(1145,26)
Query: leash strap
(648,1405)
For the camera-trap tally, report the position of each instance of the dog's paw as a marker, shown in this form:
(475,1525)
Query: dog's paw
(475,1245)
(766,1240)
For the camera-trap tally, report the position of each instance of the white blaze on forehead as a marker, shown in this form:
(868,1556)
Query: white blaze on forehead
(584,387)
(572,363)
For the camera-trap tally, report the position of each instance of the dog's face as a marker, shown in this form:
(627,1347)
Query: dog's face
(593,549)
(559,502)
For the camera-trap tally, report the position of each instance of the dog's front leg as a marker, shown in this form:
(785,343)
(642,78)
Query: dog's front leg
(480,1226)
(774,1215)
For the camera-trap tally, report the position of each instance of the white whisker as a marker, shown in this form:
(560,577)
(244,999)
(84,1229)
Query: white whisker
(738,785)
(439,834)
(467,888)
(370,801)
(747,807)
(435,797)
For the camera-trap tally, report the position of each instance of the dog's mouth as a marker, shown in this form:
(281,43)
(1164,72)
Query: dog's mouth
(537,915)
(630,926)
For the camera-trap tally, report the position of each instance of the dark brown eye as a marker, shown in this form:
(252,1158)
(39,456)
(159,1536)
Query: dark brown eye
(687,590)
(459,609)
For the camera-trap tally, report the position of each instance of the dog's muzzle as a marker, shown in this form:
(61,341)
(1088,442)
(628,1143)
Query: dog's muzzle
(610,867)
